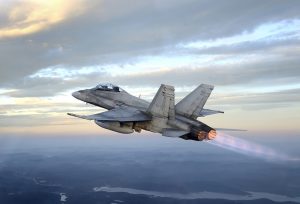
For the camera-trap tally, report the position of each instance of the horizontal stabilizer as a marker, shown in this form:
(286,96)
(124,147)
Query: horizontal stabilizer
(206,112)
(169,132)
(229,129)
(119,114)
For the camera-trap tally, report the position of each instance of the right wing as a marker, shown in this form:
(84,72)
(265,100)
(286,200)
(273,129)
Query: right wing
(119,114)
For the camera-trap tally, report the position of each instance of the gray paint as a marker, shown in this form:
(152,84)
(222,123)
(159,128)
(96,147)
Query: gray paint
(127,113)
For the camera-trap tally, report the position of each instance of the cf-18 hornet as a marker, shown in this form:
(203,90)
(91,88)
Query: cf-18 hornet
(127,113)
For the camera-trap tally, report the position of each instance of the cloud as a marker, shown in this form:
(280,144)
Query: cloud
(263,72)
(117,32)
(27,17)
(271,38)
(35,120)
(50,86)
(269,32)
(271,71)
(41,112)
(257,101)
(50,48)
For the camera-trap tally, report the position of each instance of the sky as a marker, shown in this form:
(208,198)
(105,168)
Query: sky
(249,50)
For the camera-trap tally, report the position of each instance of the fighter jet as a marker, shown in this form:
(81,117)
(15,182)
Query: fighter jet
(127,113)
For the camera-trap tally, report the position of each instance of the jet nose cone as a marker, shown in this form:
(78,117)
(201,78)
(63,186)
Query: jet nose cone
(81,95)
(76,94)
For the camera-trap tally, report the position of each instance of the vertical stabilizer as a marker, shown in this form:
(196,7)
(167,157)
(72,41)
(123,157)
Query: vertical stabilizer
(163,103)
(192,104)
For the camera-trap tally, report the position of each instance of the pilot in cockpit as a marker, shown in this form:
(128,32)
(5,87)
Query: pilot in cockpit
(108,87)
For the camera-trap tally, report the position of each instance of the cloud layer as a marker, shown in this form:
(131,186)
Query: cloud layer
(50,48)
(113,31)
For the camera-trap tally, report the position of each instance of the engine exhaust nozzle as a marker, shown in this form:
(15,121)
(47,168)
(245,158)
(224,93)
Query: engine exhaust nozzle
(212,134)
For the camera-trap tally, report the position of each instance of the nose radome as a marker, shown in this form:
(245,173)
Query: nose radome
(76,94)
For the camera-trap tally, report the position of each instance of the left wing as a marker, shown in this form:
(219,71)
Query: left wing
(119,114)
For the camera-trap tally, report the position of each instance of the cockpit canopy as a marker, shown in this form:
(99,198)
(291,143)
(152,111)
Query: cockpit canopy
(108,87)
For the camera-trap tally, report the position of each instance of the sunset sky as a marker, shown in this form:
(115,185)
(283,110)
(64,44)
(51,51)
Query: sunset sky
(249,50)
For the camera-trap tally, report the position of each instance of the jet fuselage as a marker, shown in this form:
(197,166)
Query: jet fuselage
(112,99)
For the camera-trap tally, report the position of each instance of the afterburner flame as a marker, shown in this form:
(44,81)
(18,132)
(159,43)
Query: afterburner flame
(248,148)
(212,135)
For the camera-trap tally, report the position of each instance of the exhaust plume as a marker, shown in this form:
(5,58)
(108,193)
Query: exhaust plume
(249,148)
